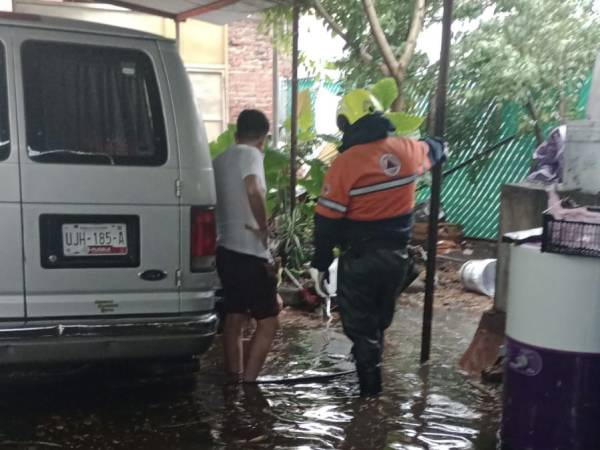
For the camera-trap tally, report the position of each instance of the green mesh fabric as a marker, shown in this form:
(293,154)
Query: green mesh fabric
(471,196)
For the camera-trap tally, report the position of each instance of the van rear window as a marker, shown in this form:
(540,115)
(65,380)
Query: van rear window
(92,105)
(4,127)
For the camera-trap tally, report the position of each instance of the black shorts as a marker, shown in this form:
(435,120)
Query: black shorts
(250,284)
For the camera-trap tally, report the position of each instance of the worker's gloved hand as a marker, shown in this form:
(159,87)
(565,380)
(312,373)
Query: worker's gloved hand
(321,280)
(446,150)
(439,151)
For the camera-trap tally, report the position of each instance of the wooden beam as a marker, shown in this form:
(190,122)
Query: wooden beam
(213,6)
(139,8)
(178,34)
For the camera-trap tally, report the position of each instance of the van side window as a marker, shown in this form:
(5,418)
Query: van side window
(92,105)
(4,126)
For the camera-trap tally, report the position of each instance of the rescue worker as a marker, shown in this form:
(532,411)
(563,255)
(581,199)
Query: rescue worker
(365,209)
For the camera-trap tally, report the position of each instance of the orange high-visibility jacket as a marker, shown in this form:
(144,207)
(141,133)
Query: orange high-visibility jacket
(369,193)
(374,181)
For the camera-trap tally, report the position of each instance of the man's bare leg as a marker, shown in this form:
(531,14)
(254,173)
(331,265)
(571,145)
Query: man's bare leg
(259,347)
(246,343)
(232,344)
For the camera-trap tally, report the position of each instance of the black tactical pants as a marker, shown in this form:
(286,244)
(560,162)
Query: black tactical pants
(368,285)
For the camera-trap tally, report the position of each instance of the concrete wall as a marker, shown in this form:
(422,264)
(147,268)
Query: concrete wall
(203,43)
(521,208)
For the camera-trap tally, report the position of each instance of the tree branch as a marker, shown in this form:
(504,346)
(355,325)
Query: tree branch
(330,20)
(384,46)
(366,56)
(539,135)
(416,27)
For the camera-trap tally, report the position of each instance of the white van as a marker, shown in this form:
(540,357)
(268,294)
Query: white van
(106,197)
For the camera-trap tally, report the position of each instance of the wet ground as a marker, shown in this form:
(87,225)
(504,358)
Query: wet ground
(109,408)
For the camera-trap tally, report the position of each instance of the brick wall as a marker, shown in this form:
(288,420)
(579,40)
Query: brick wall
(250,58)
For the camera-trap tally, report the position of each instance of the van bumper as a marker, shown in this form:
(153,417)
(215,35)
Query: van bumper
(107,339)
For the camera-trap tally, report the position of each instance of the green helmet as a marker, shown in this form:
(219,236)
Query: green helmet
(357,104)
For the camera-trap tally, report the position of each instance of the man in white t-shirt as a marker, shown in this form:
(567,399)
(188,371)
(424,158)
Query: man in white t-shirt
(243,259)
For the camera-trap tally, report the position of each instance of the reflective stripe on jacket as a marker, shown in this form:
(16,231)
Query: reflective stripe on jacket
(369,193)
(374,181)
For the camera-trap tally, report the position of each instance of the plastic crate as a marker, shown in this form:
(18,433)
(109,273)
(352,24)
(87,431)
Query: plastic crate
(570,238)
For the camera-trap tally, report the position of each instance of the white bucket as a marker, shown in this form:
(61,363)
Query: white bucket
(479,275)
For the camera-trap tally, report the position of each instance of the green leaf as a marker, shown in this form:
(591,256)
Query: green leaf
(405,124)
(272,203)
(276,169)
(287,123)
(306,117)
(223,142)
(313,182)
(305,136)
(386,91)
(275,160)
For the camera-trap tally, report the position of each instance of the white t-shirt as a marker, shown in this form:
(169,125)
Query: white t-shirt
(233,208)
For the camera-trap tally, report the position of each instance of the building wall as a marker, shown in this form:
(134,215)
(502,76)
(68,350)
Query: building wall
(250,68)
(203,48)
(203,43)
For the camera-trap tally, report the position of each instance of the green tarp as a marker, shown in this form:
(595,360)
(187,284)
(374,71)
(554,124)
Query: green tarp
(471,196)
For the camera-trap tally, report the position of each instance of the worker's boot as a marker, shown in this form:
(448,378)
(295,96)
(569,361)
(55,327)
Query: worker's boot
(369,380)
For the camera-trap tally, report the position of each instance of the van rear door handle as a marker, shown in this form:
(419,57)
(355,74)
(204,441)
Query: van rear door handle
(153,275)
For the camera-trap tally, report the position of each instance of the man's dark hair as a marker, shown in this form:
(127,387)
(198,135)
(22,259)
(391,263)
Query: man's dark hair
(252,124)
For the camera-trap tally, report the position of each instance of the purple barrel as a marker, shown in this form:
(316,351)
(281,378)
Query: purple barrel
(552,372)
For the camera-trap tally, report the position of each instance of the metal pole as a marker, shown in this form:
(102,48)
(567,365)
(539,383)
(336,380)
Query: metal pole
(178,34)
(436,182)
(294,130)
(275,95)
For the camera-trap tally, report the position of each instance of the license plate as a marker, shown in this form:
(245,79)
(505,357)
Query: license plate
(94,239)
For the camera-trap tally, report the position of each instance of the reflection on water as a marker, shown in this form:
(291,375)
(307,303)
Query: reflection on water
(422,408)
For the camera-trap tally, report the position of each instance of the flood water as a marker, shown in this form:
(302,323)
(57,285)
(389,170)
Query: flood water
(108,408)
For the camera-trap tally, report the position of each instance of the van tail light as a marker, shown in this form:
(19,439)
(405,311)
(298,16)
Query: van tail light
(203,239)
